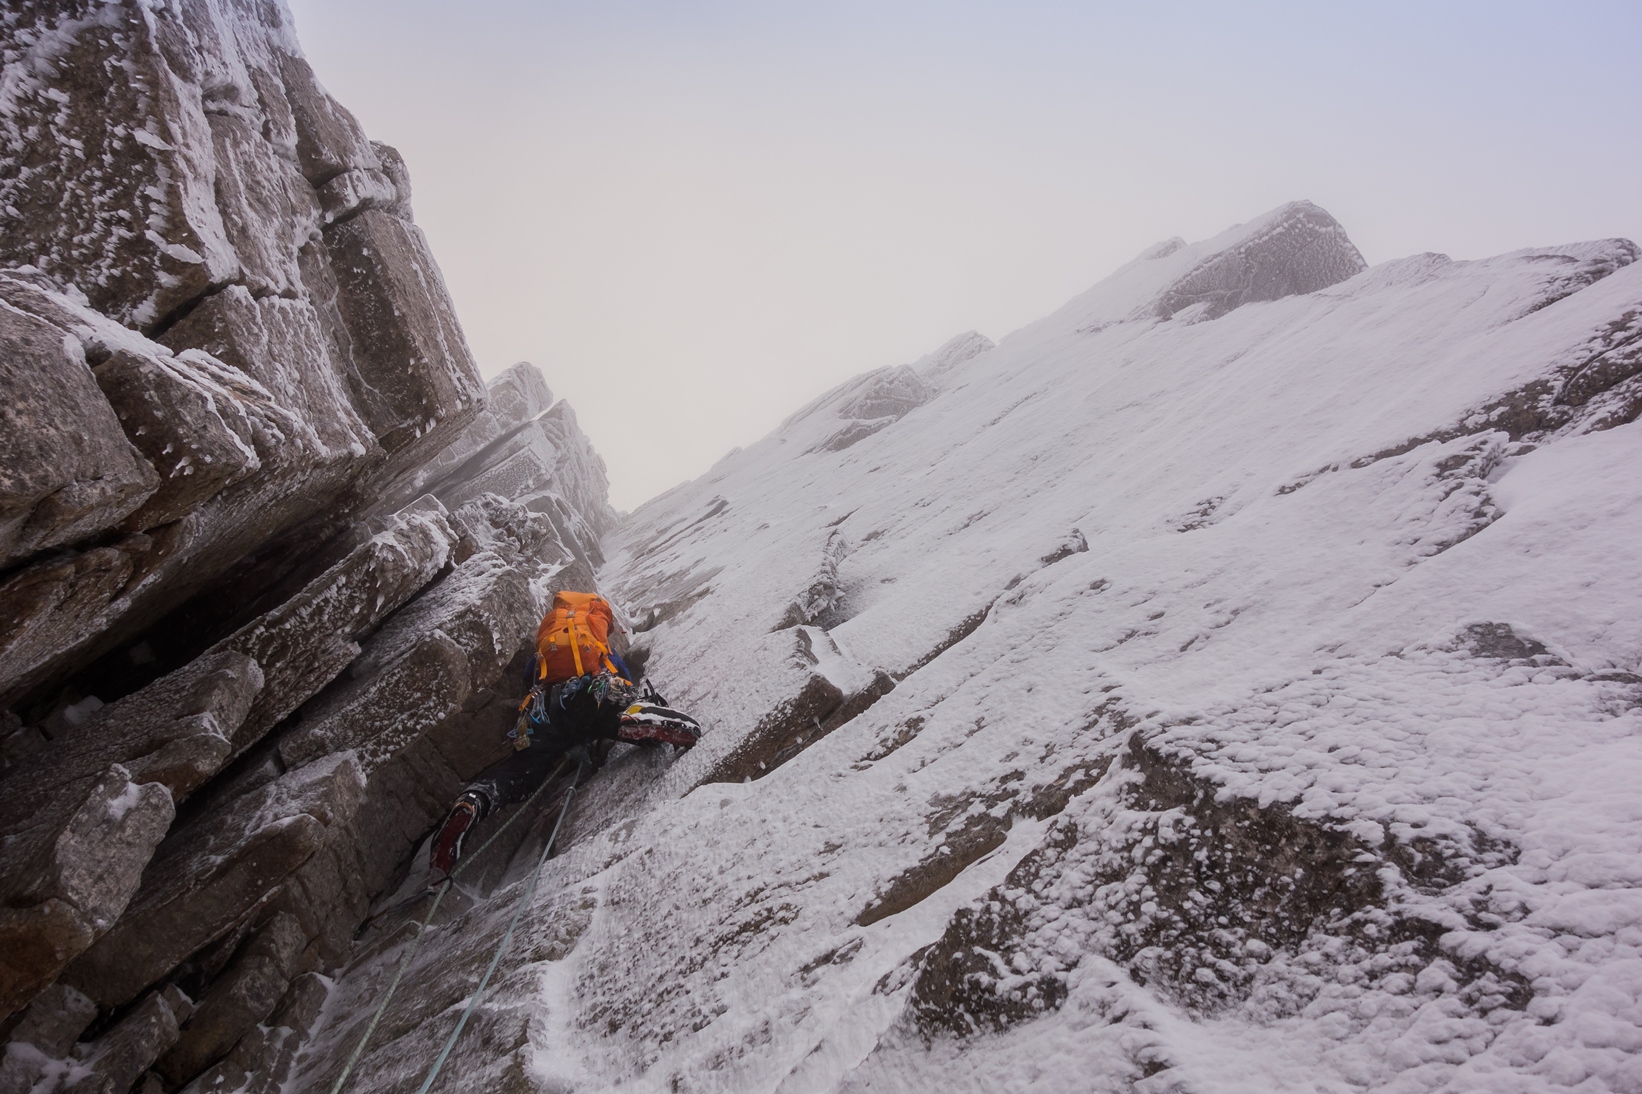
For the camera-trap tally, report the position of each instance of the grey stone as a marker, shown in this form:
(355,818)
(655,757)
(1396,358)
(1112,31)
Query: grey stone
(853,434)
(268,210)
(325,296)
(524,538)
(549,466)
(893,394)
(484,611)
(333,891)
(33,294)
(580,540)
(67,470)
(410,686)
(1300,250)
(309,383)
(518,394)
(213,872)
(301,1005)
(882,398)
(21,1067)
(51,605)
(329,140)
(241,998)
(512,399)
(580,477)
(262,1060)
(121,1055)
(91,1082)
(108,183)
(476,736)
(825,591)
(378,717)
(310,638)
(355,191)
(393,166)
(781,734)
(69,877)
(55,1020)
(226,109)
(67,610)
(178,1001)
(76,833)
(954,352)
(284,346)
(484,606)
(528,469)
(51,609)
(18,740)
(174,732)
(177,424)
(407,344)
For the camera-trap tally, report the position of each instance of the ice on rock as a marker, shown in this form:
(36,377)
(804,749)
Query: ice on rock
(953,353)
(237,402)
(1260,685)
(1296,249)
(1230,681)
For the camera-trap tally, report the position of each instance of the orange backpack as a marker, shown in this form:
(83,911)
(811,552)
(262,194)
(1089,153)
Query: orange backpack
(574,637)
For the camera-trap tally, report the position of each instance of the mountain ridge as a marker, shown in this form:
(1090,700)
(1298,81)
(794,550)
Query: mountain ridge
(1141,702)
(1232,680)
(1176,482)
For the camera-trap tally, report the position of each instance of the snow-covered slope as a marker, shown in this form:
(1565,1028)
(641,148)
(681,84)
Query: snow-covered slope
(1227,683)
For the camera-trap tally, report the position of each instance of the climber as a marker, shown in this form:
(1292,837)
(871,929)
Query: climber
(582,695)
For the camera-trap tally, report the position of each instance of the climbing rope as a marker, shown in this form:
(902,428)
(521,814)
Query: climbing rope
(524,902)
(422,928)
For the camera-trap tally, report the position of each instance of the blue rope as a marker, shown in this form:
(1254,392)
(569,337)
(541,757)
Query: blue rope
(524,902)
(422,928)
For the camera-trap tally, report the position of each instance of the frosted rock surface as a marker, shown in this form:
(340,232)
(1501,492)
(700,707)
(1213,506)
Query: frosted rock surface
(1296,249)
(236,391)
(1234,700)
(954,352)
(68,469)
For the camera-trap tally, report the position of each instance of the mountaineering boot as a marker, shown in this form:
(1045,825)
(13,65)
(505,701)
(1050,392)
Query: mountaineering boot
(447,845)
(644,723)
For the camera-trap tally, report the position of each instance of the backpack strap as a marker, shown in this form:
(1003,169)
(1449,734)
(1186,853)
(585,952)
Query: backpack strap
(575,644)
(577,633)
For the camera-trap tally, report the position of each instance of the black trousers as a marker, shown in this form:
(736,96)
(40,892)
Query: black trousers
(514,779)
(578,712)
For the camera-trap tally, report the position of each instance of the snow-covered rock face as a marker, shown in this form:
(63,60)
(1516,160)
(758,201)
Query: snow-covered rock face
(185,210)
(268,546)
(1228,682)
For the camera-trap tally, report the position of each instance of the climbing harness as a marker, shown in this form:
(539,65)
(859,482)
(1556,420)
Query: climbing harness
(422,928)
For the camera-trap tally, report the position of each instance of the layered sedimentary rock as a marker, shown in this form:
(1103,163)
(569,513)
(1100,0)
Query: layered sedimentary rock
(388,687)
(186,211)
(268,546)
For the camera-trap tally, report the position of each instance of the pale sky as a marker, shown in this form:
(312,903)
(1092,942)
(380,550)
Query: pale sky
(694,217)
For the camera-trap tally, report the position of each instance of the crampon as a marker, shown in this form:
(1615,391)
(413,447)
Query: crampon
(447,845)
(647,723)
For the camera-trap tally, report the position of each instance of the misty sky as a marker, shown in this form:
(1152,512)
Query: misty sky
(696,216)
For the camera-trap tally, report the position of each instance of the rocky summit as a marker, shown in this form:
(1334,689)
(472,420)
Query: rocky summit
(1230,682)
